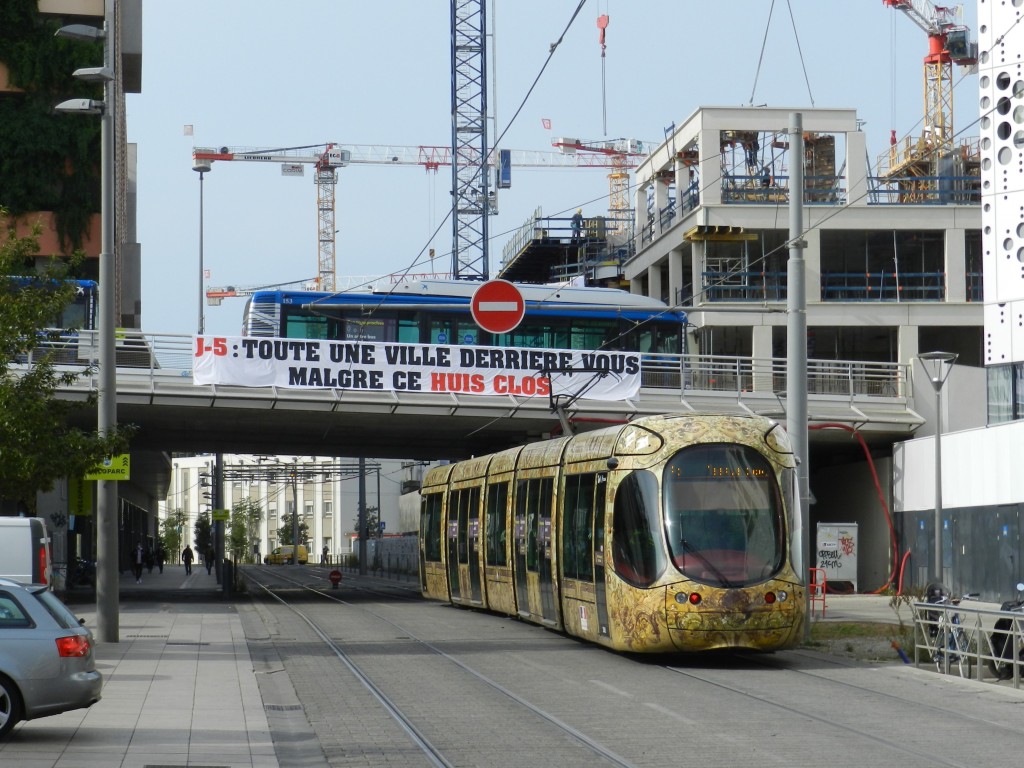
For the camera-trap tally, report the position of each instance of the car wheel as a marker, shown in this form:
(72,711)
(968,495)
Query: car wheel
(10,706)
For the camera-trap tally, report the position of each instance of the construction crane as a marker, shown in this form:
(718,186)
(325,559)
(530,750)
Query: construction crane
(328,157)
(618,154)
(948,43)
(325,158)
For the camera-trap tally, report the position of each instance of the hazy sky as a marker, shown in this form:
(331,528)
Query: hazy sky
(260,74)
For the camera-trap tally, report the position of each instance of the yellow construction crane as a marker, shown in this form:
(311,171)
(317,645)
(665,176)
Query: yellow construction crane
(949,43)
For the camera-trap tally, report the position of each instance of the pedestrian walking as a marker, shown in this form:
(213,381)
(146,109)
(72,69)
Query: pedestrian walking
(210,556)
(187,557)
(160,557)
(138,560)
(323,556)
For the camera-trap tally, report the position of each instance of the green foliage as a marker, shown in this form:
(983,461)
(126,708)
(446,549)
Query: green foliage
(284,533)
(373,530)
(202,534)
(171,534)
(244,529)
(40,443)
(50,162)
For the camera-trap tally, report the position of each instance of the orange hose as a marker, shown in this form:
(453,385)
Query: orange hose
(881,498)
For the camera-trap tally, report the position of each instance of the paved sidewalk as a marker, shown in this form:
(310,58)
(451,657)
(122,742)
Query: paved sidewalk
(179,687)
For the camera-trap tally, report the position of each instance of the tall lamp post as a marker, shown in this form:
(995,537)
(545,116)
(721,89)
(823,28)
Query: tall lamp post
(938,366)
(107,556)
(201,167)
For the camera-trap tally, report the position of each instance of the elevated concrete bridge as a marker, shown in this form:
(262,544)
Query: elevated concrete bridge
(156,392)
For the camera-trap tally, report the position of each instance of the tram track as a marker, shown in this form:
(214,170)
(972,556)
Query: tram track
(826,710)
(451,671)
(433,750)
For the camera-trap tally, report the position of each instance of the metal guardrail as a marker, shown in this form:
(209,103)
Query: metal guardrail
(965,647)
(160,357)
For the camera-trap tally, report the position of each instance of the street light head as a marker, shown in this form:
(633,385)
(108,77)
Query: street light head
(938,366)
(201,166)
(81,106)
(94,74)
(81,32)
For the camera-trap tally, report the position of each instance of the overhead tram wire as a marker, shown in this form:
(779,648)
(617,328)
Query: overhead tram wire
(758,260)
(551,52)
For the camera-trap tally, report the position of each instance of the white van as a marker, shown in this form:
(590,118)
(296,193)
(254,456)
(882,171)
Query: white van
(24,550)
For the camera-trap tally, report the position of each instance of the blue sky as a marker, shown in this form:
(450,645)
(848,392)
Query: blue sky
(313,71)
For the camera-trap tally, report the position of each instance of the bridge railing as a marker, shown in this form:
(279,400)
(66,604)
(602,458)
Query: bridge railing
(163,356)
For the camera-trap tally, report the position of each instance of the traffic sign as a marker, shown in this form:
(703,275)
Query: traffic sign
(498,306)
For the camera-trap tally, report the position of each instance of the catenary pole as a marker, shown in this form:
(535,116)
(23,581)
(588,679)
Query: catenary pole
(796,341)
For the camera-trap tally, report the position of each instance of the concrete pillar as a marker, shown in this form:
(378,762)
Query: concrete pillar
(710,170)
(761,354)
(955,266)
(856,169)
(654,281)
(675,273)
(908,347)
(660,204)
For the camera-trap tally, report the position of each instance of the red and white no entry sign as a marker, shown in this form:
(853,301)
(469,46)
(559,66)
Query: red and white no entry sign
(497,306)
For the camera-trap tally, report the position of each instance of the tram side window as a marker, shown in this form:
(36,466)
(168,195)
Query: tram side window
(659,338)
(577,527)
(430,526)
(497,524)
(305,326)
(636,551)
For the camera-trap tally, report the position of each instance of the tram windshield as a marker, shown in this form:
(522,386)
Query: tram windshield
(723,515)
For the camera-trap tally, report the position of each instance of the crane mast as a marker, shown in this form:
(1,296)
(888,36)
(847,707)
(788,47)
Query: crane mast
(325,159)
(948,44)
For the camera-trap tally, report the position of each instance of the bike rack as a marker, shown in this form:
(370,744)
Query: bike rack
(964,640)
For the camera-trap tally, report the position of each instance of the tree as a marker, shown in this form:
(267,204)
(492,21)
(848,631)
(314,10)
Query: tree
(171,535)
(244,529)
(373,530)
(203,534)
(284,533)
(40,443)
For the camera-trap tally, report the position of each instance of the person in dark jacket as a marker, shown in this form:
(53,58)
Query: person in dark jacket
(187,557)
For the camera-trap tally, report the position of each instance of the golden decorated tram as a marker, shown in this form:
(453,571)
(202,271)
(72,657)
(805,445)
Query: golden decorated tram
(669,533)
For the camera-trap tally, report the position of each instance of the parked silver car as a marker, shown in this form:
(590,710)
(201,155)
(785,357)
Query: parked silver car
(46,656)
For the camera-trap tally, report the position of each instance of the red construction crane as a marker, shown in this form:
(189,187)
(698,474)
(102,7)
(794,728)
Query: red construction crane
(618,154)
(948,43)
(327,157)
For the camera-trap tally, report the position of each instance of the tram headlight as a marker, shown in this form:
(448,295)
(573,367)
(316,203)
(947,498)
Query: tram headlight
(783,596)
(693,598)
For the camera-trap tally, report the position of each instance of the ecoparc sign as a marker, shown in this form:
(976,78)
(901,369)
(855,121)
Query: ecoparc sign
(443,369)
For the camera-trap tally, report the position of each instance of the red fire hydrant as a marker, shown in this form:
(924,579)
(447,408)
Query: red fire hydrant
(335,577)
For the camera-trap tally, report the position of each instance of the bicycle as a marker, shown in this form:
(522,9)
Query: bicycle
(952,645)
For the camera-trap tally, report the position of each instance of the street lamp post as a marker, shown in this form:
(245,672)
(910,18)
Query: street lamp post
(201,167)
(107,598)
(938,366)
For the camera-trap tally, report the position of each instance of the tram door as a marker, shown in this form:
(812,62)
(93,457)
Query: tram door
(469,527)
(535,586)
(600,495)
(464,544)
(582,552)
(452,550)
